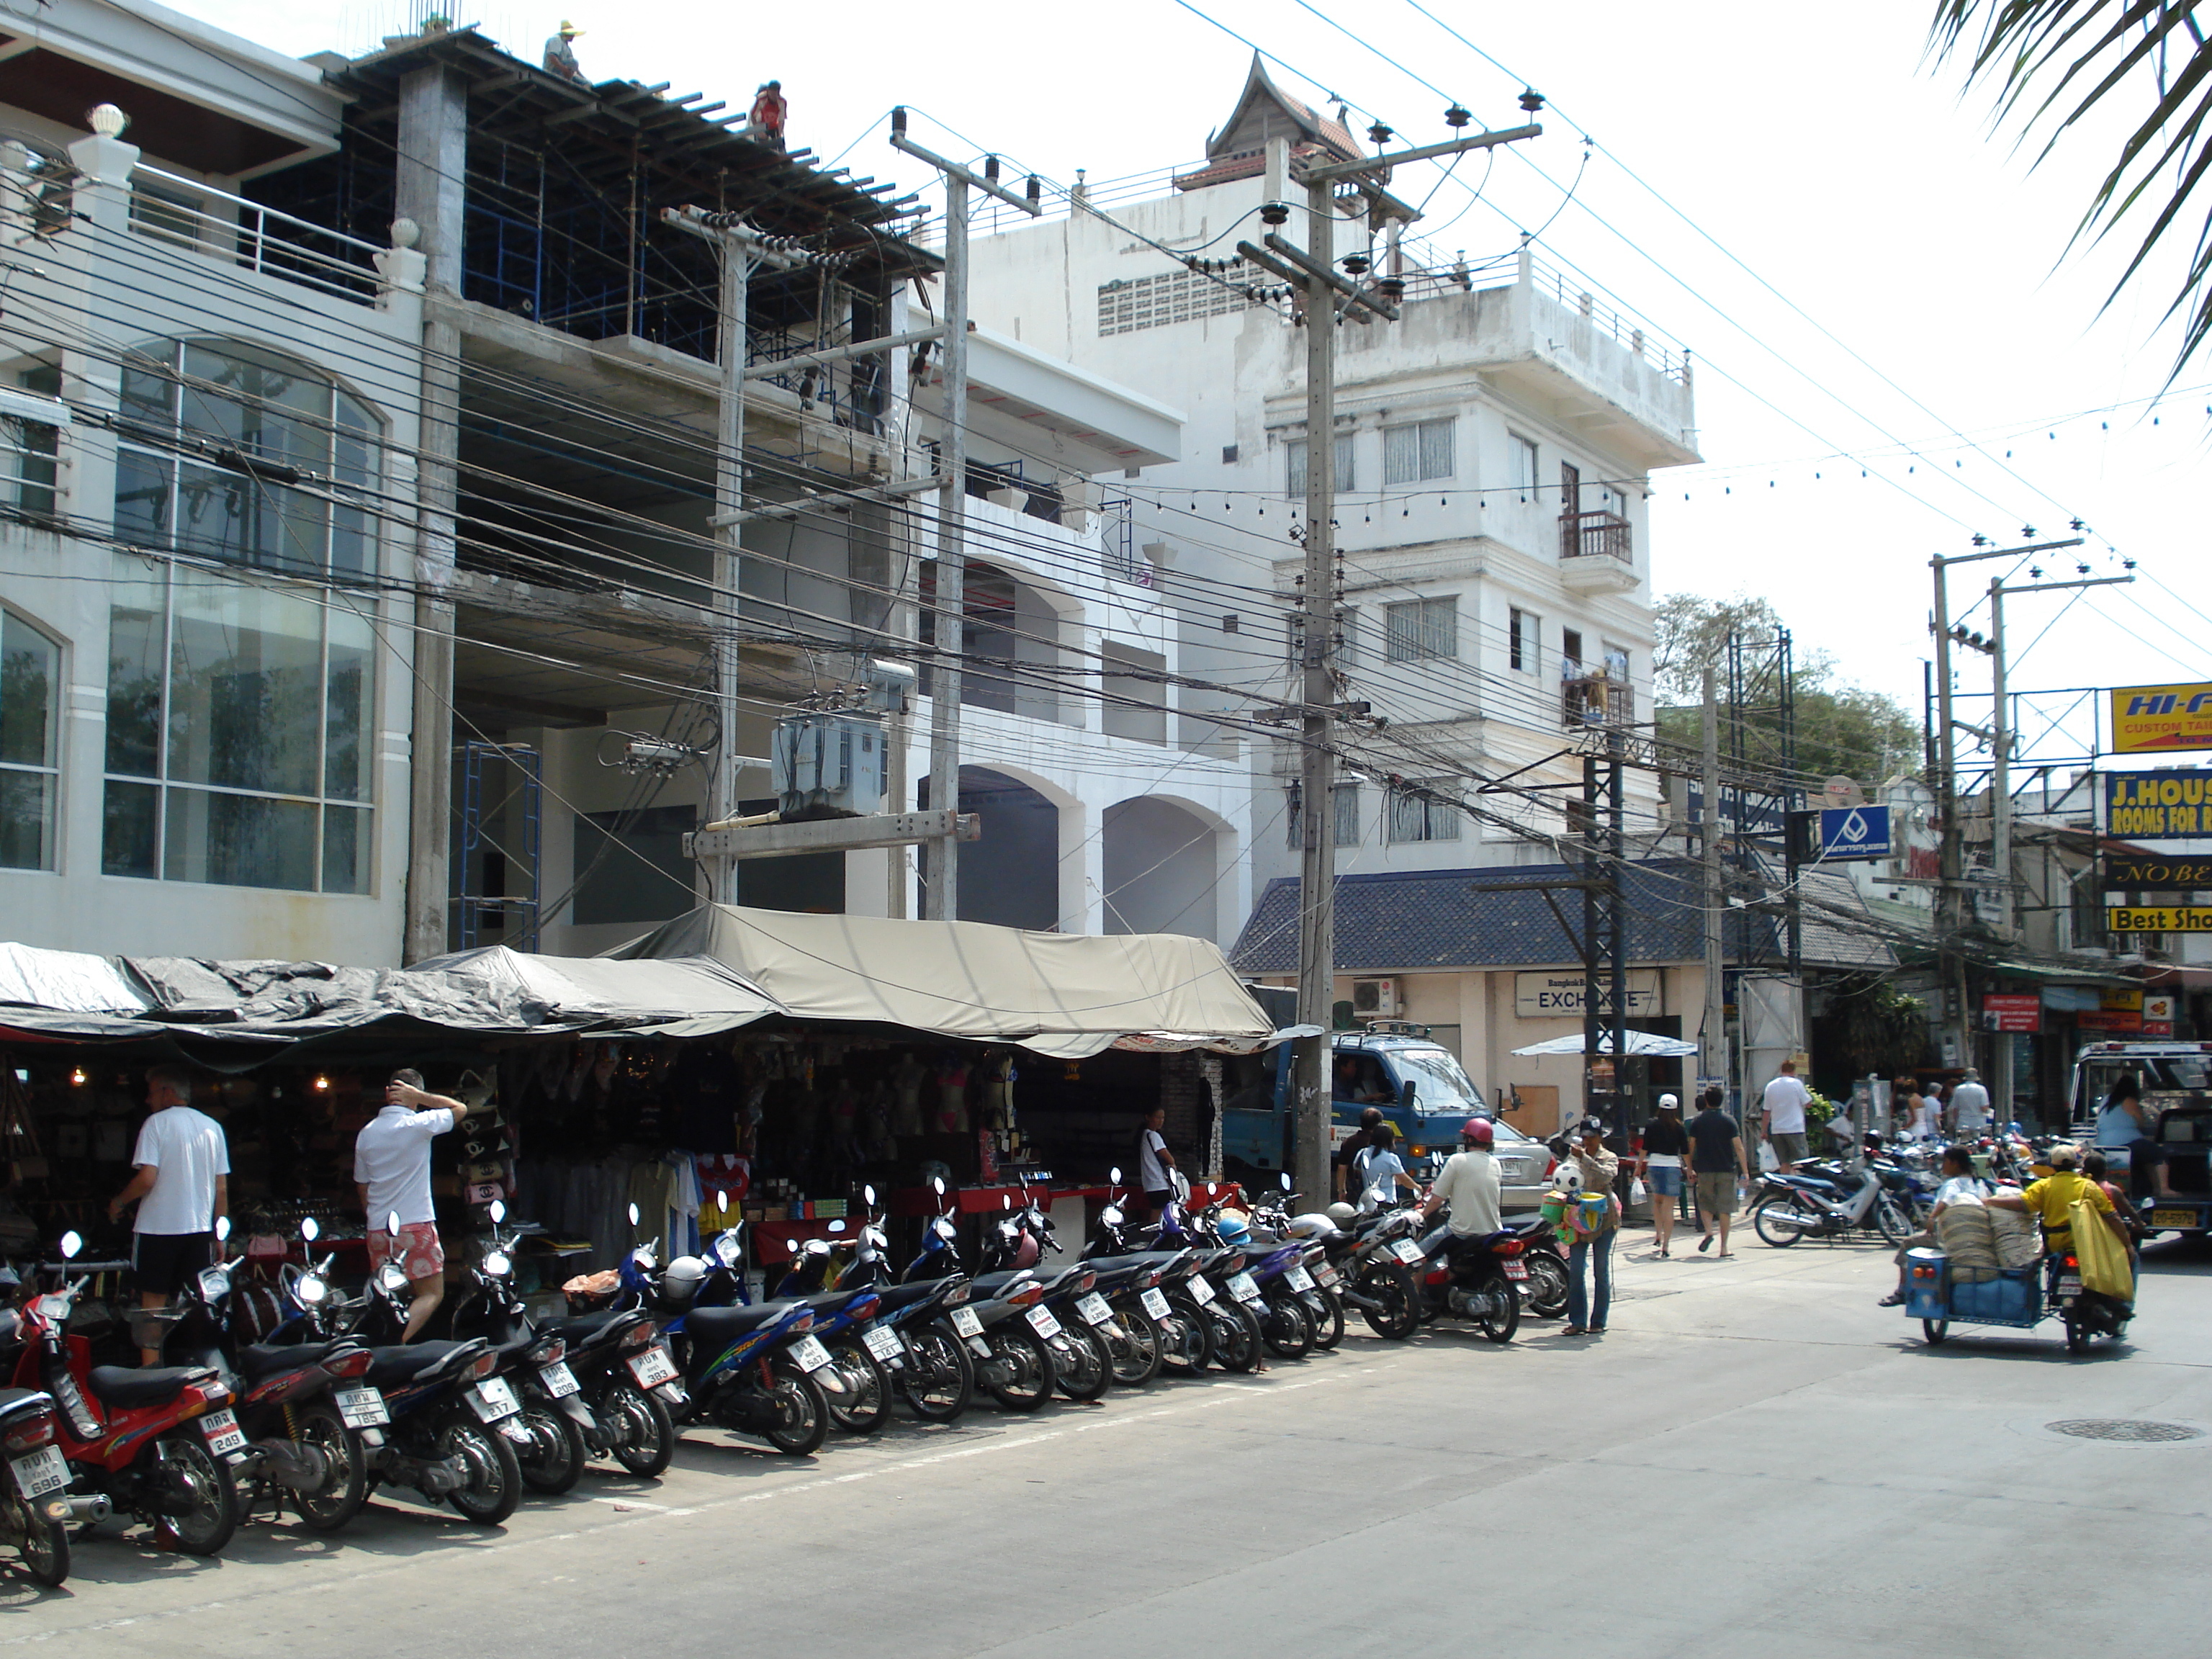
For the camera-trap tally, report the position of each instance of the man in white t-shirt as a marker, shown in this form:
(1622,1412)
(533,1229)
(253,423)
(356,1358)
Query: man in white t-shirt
(1469,1184)
(182,1187)
(1968,1108)
(1781,1106)
(1154,1161)
(392,1170)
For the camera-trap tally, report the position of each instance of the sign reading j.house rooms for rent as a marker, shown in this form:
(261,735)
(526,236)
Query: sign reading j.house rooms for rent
(2165,806)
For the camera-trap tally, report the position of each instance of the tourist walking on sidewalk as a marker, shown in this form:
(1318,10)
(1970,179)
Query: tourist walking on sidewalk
(1717,1162)
(1590,1260)
(1665,1141)
(1782,1114)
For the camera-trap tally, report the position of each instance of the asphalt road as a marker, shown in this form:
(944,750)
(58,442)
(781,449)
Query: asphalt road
(1754,1459)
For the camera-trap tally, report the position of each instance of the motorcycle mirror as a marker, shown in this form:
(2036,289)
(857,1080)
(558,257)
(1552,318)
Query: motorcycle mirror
(1286,1180)
(721,1198)
(310,1230)
(836,1226)
(633,1215)
(1114,1175)
(938,1182)
(392,1223)
(71,1243)
(1005,1201)
(222,1230)
(498,1212)
(796,1246)
(868,1196)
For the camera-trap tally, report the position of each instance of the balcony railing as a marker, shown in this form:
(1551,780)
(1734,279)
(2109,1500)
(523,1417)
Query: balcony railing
(1596,536)
(1595,700)
(187,214)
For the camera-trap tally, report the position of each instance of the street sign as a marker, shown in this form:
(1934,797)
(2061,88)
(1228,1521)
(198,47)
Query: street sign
(2151,720)
(2158,805)
(2006,1012)
(2169,919)
(2156,875)
(1853,832)
(1559,995)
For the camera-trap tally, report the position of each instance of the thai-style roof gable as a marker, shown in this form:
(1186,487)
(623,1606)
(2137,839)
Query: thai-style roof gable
(1264,112)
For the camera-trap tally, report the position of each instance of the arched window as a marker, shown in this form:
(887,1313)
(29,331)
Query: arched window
(30,759)
(235,452)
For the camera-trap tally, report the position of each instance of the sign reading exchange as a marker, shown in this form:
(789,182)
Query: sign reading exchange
(2151,720)
(1559,995)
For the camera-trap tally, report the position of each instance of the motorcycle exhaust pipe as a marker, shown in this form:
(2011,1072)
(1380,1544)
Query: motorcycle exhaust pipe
(89,1511)
(294,1466)
(1354,1298)
(1792,1219)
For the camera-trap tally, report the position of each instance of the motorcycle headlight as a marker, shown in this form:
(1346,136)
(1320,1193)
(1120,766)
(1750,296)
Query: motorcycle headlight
(497,1264)
(311,1290)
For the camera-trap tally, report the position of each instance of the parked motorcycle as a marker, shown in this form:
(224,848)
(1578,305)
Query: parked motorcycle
(1014,1363)
(1789,1207)
(36,1514)
(1477,1278)
(925,1360)
(155,1443)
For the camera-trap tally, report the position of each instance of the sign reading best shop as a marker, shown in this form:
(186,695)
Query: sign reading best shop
(2157,720)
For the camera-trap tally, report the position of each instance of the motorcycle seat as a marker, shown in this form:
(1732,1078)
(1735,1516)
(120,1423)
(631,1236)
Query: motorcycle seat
(997,1284)
(14,1398)
(896,1298)
(582,1333)
(123,1385)
(399,1364)
(712,1328)
(260,1359)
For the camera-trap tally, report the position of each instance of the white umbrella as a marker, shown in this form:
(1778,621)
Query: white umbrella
(1639,1043)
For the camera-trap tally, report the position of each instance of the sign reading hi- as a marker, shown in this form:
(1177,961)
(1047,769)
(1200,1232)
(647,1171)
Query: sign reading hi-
(1559,995)
(2151,719)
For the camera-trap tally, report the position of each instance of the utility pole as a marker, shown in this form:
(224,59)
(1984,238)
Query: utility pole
(1950,899)
(1713,1051)
(1312,269)
(940,900)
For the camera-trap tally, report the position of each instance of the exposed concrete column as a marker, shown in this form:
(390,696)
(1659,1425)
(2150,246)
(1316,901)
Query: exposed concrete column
(434,145)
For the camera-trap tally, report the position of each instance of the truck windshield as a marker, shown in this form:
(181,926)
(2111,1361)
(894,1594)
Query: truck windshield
(1441,1085)
(2157,1074)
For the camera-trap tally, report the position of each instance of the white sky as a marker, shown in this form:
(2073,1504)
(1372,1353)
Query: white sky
(1815,145)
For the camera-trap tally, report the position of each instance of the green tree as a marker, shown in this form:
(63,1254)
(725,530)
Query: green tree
(1842,729)
(2055,62)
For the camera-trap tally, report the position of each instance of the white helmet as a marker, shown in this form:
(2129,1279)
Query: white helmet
(1343,1215)
(681,1279)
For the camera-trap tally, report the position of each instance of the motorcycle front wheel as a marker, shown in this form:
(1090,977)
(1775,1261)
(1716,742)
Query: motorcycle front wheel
(647,1432)
(1780,1234)
(494,1485)
(44,1542)
(320,1426)
(554,1461)
(203,1484)
(1891,1220)
(939,1379)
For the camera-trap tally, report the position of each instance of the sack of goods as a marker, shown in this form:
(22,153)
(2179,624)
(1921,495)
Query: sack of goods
(1968,1235)
(2019,1241)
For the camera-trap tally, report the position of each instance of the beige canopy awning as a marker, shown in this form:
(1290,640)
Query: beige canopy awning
(1065,995)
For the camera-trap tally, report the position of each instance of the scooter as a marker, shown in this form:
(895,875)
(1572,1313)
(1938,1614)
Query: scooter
(1475,1279)
(1014,1363)
(157,1444)
(1789,1208)
(36,1515)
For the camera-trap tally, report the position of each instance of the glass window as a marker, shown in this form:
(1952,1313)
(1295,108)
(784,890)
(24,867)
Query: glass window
(1524,464)
(1346,797)
(1415,817)
(32,448)
(1525,638)
(1420,628)
(182,402)
(238,745)
(30,687)
(1419,451)
(1346,477)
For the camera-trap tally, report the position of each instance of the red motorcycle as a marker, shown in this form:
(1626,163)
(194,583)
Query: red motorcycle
(157,1442)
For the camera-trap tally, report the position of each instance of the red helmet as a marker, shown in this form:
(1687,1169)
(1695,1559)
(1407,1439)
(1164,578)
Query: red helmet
(1477,1130)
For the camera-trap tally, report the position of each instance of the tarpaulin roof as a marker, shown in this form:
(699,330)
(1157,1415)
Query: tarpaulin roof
(65,995)
(1062,994)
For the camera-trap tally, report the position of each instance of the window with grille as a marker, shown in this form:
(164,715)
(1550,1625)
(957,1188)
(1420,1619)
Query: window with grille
(1524,640)
(1416,815)
(1417,451)
(1294,478)
(1173,297)
(1420,628)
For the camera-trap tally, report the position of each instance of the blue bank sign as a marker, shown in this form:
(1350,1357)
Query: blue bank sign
(1853,832)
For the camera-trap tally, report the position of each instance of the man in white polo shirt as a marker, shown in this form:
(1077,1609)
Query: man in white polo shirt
(181,1185)
(391,1169)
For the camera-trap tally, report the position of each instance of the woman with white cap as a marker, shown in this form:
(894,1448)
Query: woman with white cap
(1665,1141)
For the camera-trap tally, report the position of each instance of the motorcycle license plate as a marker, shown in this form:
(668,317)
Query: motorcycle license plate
(652,1368)
(361,1408)
(492,1399)
(1516,1270)
(2068,1284)
(1407,1251)
(884,1343)
(1325,1275)
(41,1472)
(1244,1288)
(1202,1288)
(1154,1303)
(1043,1322)
(1299,1279)
(810,1354)
(1093,1309)
(223,1435)
(560,1381)
(967,1321)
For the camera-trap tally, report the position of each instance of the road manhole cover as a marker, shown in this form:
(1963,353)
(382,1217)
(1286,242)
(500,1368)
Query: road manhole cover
(2123,1428)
